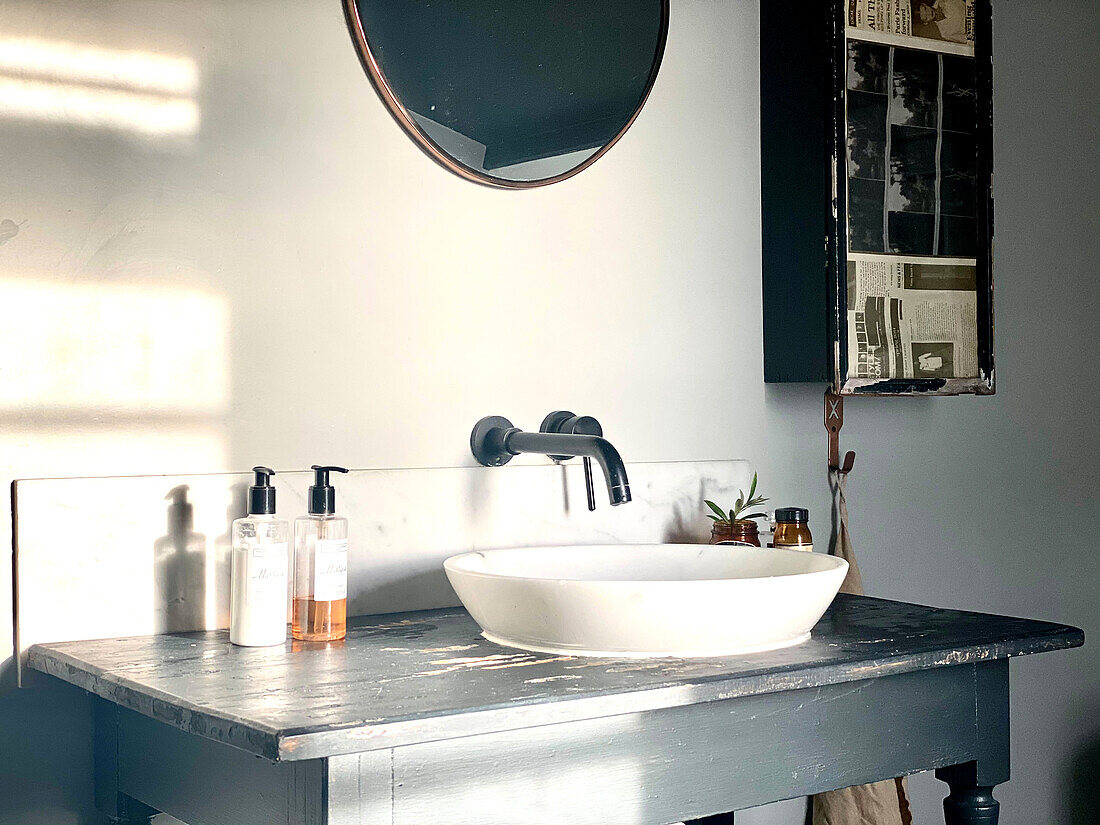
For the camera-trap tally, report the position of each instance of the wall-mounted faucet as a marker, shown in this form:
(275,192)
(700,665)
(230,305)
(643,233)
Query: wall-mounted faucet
(562,436)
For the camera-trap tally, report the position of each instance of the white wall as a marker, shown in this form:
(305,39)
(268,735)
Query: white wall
(281,276)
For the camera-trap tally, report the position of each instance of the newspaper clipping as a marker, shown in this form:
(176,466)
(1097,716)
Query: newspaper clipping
(911,98)
(912,151)
(912,318)
(945,21)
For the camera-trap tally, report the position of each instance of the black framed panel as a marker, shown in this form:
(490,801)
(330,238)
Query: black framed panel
(905,204)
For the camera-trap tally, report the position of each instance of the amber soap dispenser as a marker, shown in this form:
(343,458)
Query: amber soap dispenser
(319,608)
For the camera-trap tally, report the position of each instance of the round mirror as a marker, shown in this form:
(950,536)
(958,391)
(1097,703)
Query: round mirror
(512,93)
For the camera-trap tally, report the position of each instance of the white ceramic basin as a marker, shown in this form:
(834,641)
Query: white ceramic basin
(646,600)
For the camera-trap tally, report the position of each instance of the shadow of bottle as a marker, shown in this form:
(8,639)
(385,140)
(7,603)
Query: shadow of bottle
(222,558)
(179,569)
(681,527)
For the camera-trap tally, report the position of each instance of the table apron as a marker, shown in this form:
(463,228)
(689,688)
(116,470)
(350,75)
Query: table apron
(646,768)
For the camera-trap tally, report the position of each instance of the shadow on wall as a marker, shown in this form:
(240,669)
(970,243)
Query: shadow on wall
(679,530)
(192,584)
(223,547)
(1084,790)
(48,784)
(179,567)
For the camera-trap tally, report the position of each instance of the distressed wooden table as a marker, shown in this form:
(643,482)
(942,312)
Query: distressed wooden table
(415,719)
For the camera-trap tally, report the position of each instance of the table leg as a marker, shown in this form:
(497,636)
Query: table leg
(968,803)
(120,808)
(971,799)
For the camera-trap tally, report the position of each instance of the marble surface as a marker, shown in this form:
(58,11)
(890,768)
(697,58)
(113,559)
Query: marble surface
(419,677)
(124,556)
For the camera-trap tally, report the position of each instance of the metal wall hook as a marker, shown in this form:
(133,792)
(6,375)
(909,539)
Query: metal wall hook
(834,420)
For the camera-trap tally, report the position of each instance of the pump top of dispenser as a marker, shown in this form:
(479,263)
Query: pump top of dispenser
(322,495)
(261,495)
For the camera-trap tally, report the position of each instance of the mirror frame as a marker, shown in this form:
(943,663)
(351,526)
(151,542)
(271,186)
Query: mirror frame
(438,154)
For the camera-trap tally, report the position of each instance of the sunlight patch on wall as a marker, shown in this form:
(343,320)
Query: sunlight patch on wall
(57,81)
(119,348)
(110,379)
(66,61)
(78,449)
(84,106)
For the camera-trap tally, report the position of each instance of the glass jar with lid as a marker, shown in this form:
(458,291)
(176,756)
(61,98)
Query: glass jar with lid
(792,529)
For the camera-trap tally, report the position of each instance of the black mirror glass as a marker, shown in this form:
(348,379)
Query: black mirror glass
(512,92)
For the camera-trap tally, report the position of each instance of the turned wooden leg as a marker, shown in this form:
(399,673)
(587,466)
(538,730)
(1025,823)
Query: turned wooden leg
(971,799)
(968,803)
(971,806)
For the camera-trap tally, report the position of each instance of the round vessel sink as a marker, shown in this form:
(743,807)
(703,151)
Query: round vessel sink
(646,600)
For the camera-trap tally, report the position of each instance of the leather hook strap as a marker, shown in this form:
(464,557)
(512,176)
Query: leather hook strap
(834,420)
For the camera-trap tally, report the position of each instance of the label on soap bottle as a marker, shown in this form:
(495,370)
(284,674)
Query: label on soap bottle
(267,572)
(330,570)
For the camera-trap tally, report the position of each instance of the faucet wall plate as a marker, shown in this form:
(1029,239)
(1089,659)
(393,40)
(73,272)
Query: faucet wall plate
(563,421)
(487,441)
(553,424)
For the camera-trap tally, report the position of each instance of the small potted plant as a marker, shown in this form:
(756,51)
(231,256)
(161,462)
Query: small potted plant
(734,525)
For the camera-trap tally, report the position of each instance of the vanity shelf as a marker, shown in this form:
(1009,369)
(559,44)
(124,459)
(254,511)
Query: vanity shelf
(415,717)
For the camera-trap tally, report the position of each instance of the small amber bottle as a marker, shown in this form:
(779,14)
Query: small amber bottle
(792,529)
(742,531)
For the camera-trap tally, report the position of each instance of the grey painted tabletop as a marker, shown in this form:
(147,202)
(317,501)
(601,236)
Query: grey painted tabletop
(408,678)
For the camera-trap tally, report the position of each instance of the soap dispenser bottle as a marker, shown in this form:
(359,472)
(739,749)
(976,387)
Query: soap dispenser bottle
(260,564)
(320,603)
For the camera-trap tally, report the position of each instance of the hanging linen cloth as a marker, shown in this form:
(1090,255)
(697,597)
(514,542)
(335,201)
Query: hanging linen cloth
(879,803)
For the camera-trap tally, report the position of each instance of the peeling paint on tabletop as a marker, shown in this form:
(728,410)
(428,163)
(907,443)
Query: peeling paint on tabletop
(368,693)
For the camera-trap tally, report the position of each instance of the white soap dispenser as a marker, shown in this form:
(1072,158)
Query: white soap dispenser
(257,614)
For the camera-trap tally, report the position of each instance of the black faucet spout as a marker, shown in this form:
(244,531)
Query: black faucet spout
(494,441)
(593,446)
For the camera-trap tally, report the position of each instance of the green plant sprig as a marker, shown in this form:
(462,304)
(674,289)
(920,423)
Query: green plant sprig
(743,503)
